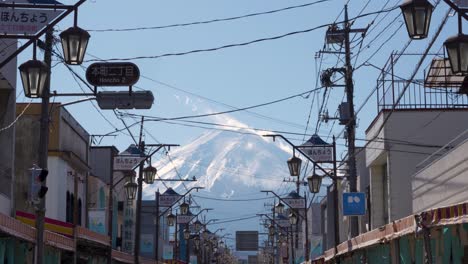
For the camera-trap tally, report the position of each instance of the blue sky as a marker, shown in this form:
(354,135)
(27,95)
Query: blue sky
(239,76)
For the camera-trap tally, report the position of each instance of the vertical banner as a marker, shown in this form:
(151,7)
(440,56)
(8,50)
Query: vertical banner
(97,220)
(168,252)
(147,243)
(128,226)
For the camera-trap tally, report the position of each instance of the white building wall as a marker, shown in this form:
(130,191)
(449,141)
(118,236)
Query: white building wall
(4,204)
(408,137)
(443,182)
(59,181)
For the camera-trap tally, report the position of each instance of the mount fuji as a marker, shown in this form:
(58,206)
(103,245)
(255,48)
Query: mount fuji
(233,167)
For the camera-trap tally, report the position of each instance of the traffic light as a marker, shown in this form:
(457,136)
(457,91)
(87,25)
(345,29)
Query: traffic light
(40,179)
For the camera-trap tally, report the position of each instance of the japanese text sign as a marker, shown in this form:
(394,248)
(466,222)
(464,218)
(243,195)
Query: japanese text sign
(22,21)
(126,163)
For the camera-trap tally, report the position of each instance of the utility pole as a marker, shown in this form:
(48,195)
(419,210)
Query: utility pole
(141,145)
(43,149)
(351,126)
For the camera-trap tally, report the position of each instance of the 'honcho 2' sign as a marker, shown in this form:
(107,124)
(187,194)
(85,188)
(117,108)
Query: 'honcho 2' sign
(112,74)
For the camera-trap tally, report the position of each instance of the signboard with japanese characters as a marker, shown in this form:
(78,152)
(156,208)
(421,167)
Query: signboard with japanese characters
(126,163)
(168,200)
(295,203)
(319,153)
(183,219)
(112,74)
(23,21)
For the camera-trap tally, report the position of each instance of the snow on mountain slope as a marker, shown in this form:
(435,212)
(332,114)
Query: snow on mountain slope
(233,168)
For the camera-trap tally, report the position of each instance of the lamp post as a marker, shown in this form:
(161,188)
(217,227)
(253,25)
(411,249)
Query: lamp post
(171,219)
(150,174)
(417,15)
(315,183)
(293,217)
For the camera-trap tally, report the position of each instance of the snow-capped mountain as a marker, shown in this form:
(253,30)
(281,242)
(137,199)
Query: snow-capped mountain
(233,168)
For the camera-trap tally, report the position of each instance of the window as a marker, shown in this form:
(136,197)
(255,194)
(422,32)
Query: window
(68,214)
(79,211)
(385,193)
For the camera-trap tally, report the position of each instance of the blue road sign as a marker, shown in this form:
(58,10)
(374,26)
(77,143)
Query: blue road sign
(354,203)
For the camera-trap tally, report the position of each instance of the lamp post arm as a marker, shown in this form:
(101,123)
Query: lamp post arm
(180,198)
(281,199)
(461,11)
(296,148)
(274,222)
(32,40)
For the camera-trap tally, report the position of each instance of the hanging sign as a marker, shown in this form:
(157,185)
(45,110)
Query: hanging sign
(126,163)
(168,200)
(112,74)
(25,21)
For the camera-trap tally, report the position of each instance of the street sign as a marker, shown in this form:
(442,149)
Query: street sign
(168,200)
(184,219)
(126,163)
(112,74)
(26,21)
(125,99)
(296,203)
(317,149)
(247,240)
(354,203)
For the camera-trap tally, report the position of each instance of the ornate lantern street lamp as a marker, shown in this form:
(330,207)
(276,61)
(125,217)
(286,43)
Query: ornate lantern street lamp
(314,182)
(279,208)
(294,165)
(34,74)
(196,241)
(205,234)
(292,218)
(186,234)
(184,208)
(74,43)
(417,15)
(197,225)
(130,189)
(271,230)
(171,219)
(149,173)
(457,50)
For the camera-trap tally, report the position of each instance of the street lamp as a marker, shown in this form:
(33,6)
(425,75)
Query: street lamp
(271,230)
(314,182)
(34,74)
(205,234)
(130,190)
(279,208)
(171,219)
(196,241)
(149,174)
(197,225)
(457,50)
(184,208)
(292,218)
(186,234)
(74,43)
(294,165)
(417,15)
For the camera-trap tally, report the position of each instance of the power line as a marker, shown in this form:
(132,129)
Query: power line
(237,44)
(230,111)
(209,21)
